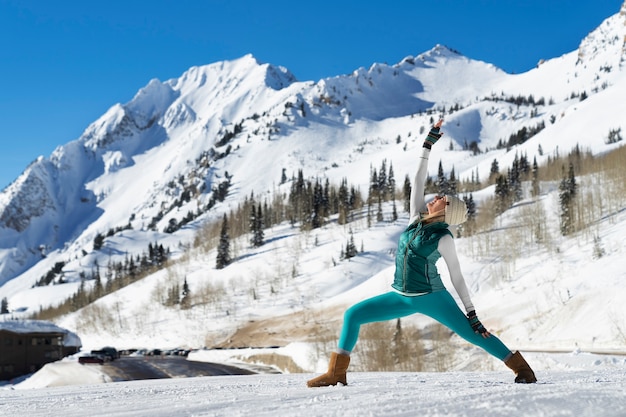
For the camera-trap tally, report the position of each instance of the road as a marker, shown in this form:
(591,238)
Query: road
(128,368)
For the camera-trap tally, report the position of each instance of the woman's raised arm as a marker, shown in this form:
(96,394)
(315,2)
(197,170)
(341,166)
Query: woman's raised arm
(417,202)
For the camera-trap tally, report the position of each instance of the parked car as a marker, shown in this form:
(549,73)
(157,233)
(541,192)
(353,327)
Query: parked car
(154,352)
(110,353)
(90,358)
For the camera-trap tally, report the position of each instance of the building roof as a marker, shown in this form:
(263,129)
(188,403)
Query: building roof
(39,326)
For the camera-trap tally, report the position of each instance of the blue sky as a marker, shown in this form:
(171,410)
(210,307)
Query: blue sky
(64,63)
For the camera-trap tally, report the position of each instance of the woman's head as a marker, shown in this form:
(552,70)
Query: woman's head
(456,210)
(453,209)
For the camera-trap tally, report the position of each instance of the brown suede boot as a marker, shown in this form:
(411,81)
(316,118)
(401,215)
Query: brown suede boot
(336,372)
(523,373)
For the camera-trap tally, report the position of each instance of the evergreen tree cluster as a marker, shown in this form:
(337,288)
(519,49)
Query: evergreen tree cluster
(219,194)
(350,251)
(471,207)
(519,100)
(382,188)
(117,276)
(309,204)
(508,188)
(521,136)
(382,183)
(446,185)
(615,135)
(257,225)
(178,296)
(50,275)
(98,241)
(228,135)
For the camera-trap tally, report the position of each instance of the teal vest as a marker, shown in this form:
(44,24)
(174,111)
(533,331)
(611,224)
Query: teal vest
(416,257)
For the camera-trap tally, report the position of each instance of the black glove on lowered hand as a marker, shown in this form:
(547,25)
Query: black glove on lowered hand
(477,326)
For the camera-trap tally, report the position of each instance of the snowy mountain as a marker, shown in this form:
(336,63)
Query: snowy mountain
(162,157)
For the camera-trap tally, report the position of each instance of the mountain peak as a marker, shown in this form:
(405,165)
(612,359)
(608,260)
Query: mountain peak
(443,51)
(607,42)
(437,52)
(275,77)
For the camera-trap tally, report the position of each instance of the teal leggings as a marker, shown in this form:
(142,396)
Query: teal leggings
(439,305)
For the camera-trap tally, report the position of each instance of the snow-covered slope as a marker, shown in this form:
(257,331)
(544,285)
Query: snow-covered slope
(159,157)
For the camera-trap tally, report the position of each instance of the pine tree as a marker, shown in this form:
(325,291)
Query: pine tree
(252,223)
(344,202)
(306,209)
(571,180)
(471,207)
(185,300)
(379,212)
(524,166)
(535,178)
(374,186)
(98,241)
(351,250)
(406,191)
(97,288)
(256,225)
(4,306)
(495,169)
(391,183)
(296,197)
(223,248)
(394,212)
(502,193)
(452,183)
(326,206)
(515,181)
(567,191)
(317,206)
(260,235)
(382,180)
(443,187)
(392,193)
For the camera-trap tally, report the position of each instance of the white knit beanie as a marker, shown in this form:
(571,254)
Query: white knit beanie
(456,210)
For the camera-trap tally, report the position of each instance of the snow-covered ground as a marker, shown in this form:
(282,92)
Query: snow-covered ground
(555,295)
(585,386)
(570,384)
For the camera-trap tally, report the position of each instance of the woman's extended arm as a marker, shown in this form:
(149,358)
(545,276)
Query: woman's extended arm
(417,202)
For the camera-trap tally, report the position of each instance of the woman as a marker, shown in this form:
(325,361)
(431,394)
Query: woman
(417,285)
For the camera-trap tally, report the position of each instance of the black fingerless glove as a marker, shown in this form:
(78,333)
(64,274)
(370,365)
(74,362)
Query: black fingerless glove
(432,138)
(477,326)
